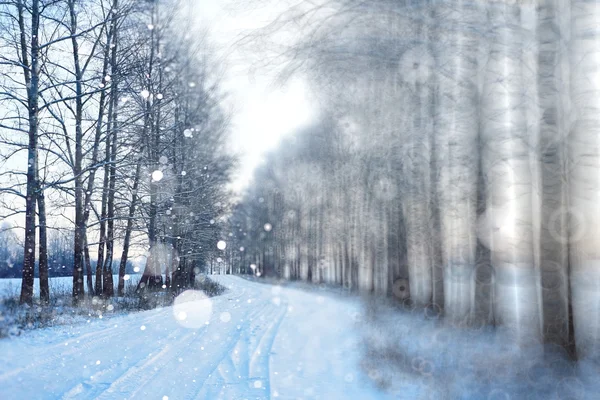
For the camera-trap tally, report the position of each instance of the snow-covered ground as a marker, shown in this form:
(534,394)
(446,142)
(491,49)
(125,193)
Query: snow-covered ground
(256,341)
(58,285)
(413,352)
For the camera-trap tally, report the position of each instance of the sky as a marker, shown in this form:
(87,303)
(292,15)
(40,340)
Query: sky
(262,111)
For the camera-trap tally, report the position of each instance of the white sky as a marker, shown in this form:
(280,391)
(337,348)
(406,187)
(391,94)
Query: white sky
(262,112)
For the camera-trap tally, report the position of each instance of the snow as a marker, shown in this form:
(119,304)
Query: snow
(414,351)
(157,175)
(249,346)
(58,285)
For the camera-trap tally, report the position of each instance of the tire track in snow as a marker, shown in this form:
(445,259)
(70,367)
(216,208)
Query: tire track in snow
(219,365)
(248,343)
(138,376)
(219,362)
(257,338)
(94,387)
(223,354)
(166,358)
(53,353)
(56,353)
(260,361)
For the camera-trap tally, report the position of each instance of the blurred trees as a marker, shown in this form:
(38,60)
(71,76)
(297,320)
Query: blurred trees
(454,163)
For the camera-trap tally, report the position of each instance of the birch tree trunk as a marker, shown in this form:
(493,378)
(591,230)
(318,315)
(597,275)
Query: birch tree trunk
(584,175)
(508,225)
(457,131)
(554,190)
(416,201)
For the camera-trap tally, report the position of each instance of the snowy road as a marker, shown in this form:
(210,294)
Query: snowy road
(256,341)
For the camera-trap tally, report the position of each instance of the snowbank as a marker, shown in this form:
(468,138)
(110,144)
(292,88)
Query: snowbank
(413,355)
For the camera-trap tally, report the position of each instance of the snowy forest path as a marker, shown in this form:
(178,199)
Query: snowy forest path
(257,341)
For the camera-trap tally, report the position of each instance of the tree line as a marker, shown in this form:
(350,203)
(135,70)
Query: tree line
(60,255)
(455,164)
(111,128)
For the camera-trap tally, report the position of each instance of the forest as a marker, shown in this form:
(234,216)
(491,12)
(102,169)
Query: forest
(453,167)
(112,136)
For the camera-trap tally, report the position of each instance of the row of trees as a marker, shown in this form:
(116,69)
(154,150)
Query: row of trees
(116,105)
(60,255)
(456,163)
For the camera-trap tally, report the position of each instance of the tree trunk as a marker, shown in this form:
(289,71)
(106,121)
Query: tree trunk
(102,242)
(457,128)
(31,74)
(151,138)
(584,170)
(108,289)
(88,265)
(95,150)
(416,200)
(554,191)
(78,247)
(129,228)
(508,226)
(43,249)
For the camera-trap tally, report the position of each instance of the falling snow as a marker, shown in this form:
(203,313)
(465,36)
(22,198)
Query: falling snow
(157,175)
